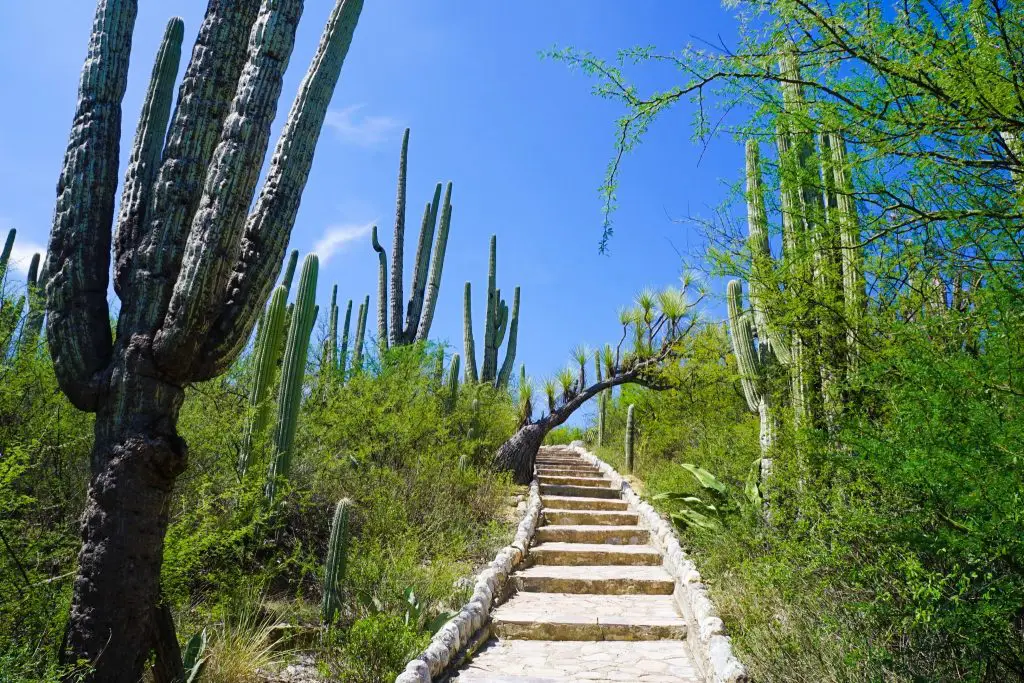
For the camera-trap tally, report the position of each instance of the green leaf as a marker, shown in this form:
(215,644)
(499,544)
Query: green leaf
(704,478)
(752,491)
(691,518)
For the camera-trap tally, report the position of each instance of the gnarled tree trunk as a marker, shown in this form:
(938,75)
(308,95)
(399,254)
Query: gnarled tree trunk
(517,455)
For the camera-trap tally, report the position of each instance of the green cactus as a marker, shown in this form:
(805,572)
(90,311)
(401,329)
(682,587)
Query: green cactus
(382,291)
(5,256)
(474,419)
(496,323)
(343,354)
(266,371)
(411,323)
(452,384)
(469,346)
(630,433)
(337,562)
(357,353)
(289,270)
(293,374)
(36,309)
(332,335)
(601,398)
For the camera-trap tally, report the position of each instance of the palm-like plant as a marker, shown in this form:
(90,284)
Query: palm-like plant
(551,391)
(580,354)
(567,382)
(672,304)
(525,400)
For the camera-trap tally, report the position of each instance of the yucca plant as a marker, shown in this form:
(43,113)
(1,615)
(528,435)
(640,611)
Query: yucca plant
(581,354)
(567,382)
(551,391)
(525,404)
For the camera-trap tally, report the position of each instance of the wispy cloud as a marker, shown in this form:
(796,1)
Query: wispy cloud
(337,237)
(365,130)
(21,254)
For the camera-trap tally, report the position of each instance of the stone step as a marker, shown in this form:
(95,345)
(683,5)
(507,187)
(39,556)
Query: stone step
(592,533)
(581,503)
(592,517)
(562,463)
(577,554)
(566,616)
(591,474)
(560,480)
(599,580)
(532,661)
(568,467)
(582,491)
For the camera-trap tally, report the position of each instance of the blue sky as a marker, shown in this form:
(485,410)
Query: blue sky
(523,140)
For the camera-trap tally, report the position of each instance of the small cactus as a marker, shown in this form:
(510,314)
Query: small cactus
(293,373)
(337,560)
(343,353)
(357,353)
(452,384)
(467,336)
(630,432)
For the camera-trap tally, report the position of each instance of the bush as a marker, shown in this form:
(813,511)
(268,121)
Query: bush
(377,649)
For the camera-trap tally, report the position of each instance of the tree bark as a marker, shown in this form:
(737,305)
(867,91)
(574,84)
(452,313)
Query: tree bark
(517,455)
(136,458)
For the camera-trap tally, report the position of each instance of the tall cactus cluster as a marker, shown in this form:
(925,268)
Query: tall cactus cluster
(821,264)
(400,323)
(497,322)
(196,253)
(11,309)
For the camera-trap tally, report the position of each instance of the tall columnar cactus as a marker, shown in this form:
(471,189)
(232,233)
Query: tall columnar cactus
(469,345)
(266,371)
(5,255)
(496,323)
(630,433)
(293,374)
(343,353)
(337,562)
(357,353)
(36,309)
(474,420)
(452,384)
(403,325)
(601,398)
(332,332)
(196,252)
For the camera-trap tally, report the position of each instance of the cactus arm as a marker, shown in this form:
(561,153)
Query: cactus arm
(469,346)
(491,312)
(343,354)
(854,297)
(357,353)
(228,189)
(5,256)
(510,349)
(436,268)
(742,333)
(289,270)
(266,370)
(337,560)
(79,247)
(382,290)
(293,373)
(421,266)
(398,246)
(203,103)
(269,225)
(144,162)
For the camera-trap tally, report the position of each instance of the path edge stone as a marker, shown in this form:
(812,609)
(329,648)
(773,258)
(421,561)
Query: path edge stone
(462,629)
(710,647)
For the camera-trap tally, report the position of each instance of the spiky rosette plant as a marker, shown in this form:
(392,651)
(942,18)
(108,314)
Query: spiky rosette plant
(657,348)
(402,323)
(496,323)
(194,260)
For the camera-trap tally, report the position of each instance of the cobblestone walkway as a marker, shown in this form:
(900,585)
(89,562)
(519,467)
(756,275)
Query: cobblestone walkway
(594,603)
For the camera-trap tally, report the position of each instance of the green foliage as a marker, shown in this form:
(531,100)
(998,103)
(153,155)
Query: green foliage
(377,648)
(194,657)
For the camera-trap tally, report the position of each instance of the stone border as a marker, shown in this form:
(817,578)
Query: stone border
(475,615)
(711,649)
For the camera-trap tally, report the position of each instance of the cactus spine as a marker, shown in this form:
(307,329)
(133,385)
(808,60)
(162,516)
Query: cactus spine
(266,369)
(337,561)
(343,354)
(357,353)
(293,373)
(452,384)
(405,325)
(630,433)
(496,323)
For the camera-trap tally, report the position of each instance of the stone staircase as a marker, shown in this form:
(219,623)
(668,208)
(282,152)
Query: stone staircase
(594,602)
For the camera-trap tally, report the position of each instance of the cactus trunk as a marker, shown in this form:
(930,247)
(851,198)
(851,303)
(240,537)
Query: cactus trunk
(469,346)
(382,292)
(510,348)
(5,255)
(266,371)
(357,353)
(343,353)
(630,432)
(452,384)
(337,562)
(36,310)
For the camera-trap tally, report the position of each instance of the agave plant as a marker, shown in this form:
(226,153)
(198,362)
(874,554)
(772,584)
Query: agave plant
(720,500)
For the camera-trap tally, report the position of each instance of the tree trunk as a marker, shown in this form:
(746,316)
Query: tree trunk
(136,457)
(517,455)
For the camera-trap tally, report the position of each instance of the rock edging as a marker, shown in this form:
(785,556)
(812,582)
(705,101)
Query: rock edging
(710,647)
(475,614)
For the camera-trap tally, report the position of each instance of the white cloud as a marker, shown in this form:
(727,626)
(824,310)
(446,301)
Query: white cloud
(21,255)
(337,237)
(362,130)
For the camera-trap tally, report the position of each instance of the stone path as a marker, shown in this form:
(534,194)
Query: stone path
(593,603)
